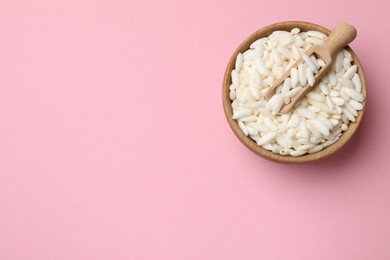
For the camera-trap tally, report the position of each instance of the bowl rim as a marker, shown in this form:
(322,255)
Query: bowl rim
(246,140)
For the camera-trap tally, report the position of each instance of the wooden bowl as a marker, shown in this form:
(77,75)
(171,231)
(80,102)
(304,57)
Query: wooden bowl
(247,141)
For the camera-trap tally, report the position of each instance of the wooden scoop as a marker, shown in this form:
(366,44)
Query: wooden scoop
(342,34)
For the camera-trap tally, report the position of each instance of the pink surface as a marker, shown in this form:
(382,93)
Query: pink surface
(114,145)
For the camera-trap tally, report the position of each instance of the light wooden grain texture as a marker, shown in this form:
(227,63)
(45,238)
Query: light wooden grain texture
(341,35)
(248,142)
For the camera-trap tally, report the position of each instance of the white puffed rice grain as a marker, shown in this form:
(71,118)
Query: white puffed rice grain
(319,119)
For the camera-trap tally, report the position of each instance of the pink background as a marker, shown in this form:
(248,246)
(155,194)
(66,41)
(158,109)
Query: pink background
(114,145)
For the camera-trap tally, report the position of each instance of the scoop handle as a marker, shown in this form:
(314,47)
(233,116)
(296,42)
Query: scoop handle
(342,34)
